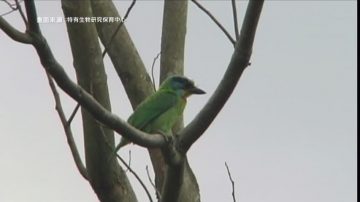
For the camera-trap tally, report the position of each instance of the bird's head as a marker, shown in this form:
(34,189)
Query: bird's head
(183,86)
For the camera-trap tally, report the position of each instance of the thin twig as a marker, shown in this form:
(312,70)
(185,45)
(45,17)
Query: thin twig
(18,6)
(73,114)
(129,164)
(232,182)
(215,21)
(236,26)
(124,163)
(12,6)
(118,27)
(158,194)
(69,136)
(6,13)
(152,70)
(135,175)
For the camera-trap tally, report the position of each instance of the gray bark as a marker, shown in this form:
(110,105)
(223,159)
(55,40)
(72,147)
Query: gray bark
(106,177)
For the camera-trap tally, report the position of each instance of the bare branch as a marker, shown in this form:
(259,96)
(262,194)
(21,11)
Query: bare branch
(236,26)
(11,31)
(69,136)
(7,12)
(73,114)
(239,61)
(126,165)
(152,69)
(80,95)
(123,54)
(136,176)
(18,6)
(118,27)
(14,33)
(32,17)
(158,194)
(129,163)
(12,6)
(215,21)
(232,182)
(89,103)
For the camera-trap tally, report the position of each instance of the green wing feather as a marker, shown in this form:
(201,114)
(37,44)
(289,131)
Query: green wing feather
(149,110)
(152,108)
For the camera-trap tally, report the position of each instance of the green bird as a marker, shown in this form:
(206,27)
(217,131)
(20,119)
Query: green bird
(159,112)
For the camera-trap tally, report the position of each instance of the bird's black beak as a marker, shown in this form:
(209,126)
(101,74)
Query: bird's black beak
(196,90)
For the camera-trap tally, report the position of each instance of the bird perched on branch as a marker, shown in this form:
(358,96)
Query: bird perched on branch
(159,112)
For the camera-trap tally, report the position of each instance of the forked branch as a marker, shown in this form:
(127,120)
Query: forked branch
(79,94)
(188,135)
(232,182)
(118,27)
(68,132)
(236,26)
(127,165)
(215,21)
(13,33)
(239,61)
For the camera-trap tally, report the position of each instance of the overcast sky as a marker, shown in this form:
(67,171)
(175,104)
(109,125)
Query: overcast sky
(288,133)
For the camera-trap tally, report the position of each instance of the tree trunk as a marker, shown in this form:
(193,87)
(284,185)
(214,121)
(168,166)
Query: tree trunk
(172,62)
(106,177)
(123,54)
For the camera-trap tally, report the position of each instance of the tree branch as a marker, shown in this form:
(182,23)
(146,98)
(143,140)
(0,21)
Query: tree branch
(123,54)
(18,6)
(12,6)
(136,176)
(79,94)
(107,178)
(106,48)
(32,17)
(239,61)
(72,116)
(158,194)
(127,165)
(118,27)
(236,27)
(152,70)
(13,33)
(69,136)
(232,182)
(215,21)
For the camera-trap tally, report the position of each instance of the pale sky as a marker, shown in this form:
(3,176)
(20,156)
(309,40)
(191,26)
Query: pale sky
(288,133)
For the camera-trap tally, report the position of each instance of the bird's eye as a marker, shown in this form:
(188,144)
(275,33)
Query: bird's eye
(188,85)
